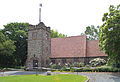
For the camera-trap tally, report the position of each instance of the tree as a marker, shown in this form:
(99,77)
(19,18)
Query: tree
(18,33)
(7,48)
(55,34)
(110,34)
(91,32)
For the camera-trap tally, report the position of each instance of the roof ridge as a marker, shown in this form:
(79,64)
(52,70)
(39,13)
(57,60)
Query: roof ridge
(70,37)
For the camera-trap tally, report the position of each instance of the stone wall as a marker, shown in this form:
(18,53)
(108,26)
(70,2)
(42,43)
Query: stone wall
(84,60)
(39,45)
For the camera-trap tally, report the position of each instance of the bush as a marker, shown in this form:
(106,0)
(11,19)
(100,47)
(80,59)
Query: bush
(107,69)
(65,69)
(55,66)
(97,62)
(77,64)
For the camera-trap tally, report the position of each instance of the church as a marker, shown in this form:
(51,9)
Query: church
(42,49)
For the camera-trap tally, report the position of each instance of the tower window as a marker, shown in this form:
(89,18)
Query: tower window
(34,35)
(34,55)
(47,36)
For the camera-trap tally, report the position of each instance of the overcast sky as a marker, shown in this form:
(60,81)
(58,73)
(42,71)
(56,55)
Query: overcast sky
(67,16)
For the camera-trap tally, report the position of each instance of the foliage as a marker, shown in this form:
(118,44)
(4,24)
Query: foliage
(77,64)
(7,48)
(92,32)
(97,62)
(65,68)
(96,69)
(110,35)
(55,34)
(90,69)
(18,33)
(56,66)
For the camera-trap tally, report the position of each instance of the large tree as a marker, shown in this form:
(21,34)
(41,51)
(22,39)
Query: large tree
(56,34)
(92,32)
(18,33)
(110,34)
(7,48)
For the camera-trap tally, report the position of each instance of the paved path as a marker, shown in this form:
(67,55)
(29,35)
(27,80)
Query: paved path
(19,73)
(94,77)
(103,77)
(98,77)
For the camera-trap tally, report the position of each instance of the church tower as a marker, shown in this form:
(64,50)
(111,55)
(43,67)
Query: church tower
(39,45)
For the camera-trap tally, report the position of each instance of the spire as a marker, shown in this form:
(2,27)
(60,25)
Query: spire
(40,12)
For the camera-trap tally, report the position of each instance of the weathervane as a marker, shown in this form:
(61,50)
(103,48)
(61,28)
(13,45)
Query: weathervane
(40,12)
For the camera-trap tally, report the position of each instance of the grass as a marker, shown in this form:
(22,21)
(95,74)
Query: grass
(43,78)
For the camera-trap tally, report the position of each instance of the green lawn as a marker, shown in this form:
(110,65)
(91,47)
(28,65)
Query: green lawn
(42,78)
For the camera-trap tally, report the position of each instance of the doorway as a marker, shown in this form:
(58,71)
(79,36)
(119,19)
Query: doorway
(35,63)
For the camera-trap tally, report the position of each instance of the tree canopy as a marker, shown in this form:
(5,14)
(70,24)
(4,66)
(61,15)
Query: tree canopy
(92,32)
(110,34)
(56,34)
(7,48)
(17,32)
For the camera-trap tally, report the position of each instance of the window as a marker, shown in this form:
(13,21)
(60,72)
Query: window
(53,60)
(34,55)
(63,61)
(34,35)
(75,59)
(46,49)
(47,36)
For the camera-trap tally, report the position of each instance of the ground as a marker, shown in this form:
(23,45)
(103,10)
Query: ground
(43,78)
(94,76)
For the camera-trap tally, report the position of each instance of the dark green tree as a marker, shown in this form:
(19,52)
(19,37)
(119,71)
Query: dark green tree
(110,35)
(17,32)
(92,32)
(7,48)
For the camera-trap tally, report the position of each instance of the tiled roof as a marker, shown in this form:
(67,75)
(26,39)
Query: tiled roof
(74,46)
(93,49)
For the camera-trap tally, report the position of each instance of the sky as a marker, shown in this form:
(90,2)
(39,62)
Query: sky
(69,17)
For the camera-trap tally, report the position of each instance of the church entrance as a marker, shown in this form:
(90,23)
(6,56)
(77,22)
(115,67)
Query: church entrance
(35,63)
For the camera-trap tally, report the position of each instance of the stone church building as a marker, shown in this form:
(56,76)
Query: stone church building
(42,49)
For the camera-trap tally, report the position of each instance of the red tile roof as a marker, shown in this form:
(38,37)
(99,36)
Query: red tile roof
(93,49)
(75,46)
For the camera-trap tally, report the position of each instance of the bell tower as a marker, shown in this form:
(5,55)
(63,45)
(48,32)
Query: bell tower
(39,44)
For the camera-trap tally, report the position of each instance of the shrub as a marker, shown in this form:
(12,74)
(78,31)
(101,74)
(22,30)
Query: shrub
(77,64)
(97,62)
(55,66)
(65,69)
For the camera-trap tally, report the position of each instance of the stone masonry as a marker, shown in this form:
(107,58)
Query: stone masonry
(39,46)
